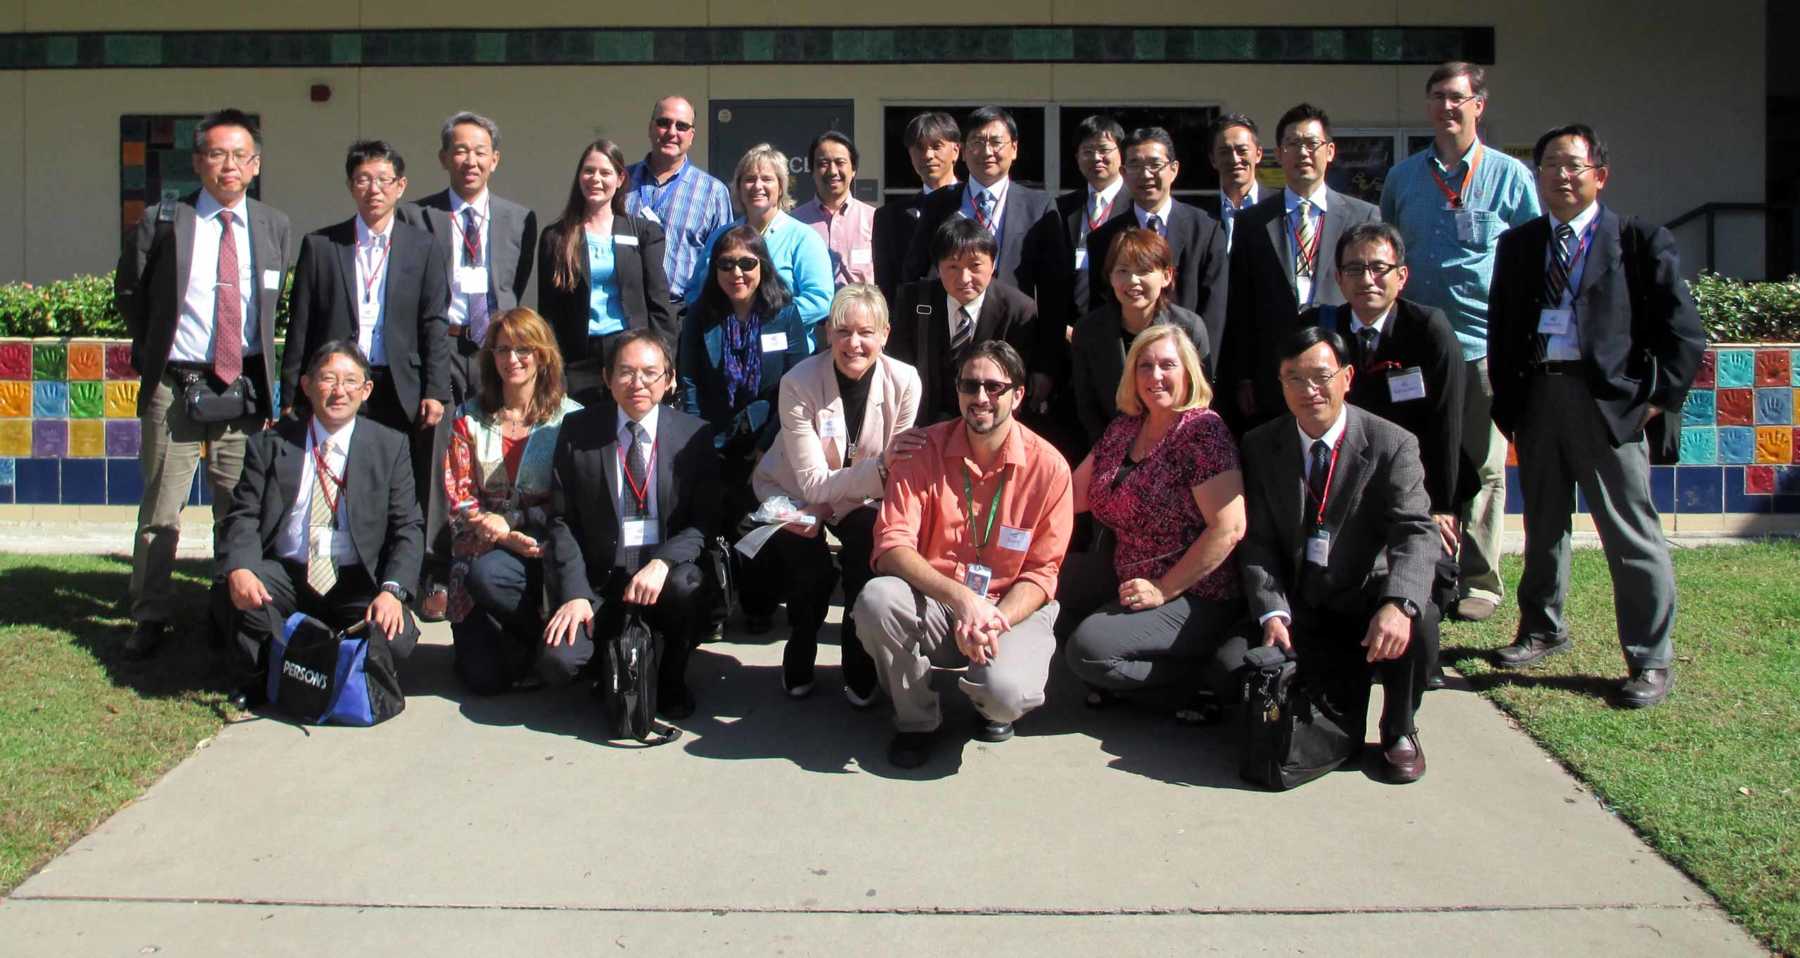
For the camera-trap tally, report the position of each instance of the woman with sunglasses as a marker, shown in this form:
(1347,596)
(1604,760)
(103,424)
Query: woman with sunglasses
(497,483)
(600,271)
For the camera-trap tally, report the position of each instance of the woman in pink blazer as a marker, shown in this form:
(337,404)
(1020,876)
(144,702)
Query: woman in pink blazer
(840,412)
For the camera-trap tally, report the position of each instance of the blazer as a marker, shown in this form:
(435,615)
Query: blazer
(1072,207)
(895,222)
(584,518)
(1198,242)
(152,281)
(1262,308)
(1641,339)
(1383,542)
(638,280)
(1414,337)
(807,462)
(512,242)
(1099,352)
(379,507)
(414,317)
(921,338)
(750,424)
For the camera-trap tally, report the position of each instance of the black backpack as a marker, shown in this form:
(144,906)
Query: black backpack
(628,687)
(1290,733)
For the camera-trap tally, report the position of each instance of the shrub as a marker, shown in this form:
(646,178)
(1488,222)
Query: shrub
(82,307)
(1735,311)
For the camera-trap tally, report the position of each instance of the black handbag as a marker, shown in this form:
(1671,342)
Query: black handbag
(206,401)
(628,689)
(1290,734)
(324,677)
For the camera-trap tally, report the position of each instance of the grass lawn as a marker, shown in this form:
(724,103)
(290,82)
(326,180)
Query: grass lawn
(82,730)
(1711,777)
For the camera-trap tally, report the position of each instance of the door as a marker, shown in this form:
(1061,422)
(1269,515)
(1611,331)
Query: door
(790,126)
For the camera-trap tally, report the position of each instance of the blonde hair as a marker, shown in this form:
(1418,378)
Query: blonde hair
(763,153)
(857,296)
(1199,391)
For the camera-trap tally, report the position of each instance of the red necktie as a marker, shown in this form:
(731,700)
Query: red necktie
(228,309)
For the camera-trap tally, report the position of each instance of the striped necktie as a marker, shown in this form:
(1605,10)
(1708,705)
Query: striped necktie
(1306,256)
(321,571)
(965,331)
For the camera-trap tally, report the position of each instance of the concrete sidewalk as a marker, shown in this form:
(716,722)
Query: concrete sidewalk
(509,826)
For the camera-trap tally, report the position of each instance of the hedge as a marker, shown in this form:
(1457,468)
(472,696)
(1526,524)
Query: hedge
(1734,311)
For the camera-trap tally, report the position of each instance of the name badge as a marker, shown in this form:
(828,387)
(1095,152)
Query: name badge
(1555,322)
(1014,540)
(369,312)
(639,532)
(978,577)
(1406,385)
(1465,225)
(1081,257)
(471,280)
(831,427)
(774,342)
(1318,549)
(861,257)
(624,239)
(271,279)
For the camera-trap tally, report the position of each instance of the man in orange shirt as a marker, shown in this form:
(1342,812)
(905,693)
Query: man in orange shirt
(967,549)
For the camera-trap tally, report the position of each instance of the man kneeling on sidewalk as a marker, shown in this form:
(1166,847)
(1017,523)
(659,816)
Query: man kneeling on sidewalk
(323,521)
(967,548)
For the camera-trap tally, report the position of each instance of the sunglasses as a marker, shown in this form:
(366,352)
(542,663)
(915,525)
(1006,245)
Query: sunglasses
(681,126)
(742,264)
(971,387)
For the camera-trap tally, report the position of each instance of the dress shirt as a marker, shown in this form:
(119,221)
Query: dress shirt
(650,460)
(1303,285)
(849,234)
(1228,213)
(290,543)
(998,190)
(690,205)
(953,319)
(1379,325)
(1143,215)
(1106,197)
(194,329)
(459,301)
(1446,270)
(372,251)
(1565,346)
(1330,438)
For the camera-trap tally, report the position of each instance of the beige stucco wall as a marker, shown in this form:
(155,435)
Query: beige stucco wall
(1644,87)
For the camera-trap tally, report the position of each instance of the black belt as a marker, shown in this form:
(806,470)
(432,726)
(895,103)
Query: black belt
(203,369)
(1558,367)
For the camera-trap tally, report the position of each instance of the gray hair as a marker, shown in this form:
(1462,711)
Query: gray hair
(857,296)
(448,133)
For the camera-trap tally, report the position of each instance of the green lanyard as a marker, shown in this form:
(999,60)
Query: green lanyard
(993,507)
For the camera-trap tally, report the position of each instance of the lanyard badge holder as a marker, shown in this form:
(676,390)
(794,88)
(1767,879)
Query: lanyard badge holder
(976,576)
(1318,542)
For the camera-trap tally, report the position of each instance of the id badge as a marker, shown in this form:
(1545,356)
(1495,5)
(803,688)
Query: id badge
(639,532)
(1014,540)
(1465,225)
(774,342)
(1081,257)
(1318,549)
(271,279)
(1406,385)
(831,427)
(471,280)
(369,313)
(1555,322)
(978,577)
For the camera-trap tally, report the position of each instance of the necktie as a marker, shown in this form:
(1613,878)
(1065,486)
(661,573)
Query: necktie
(1099,210)
(1365,342)
(228,309)
(321,572)
(478,303)
(637,470)
(1556,282)
(1307,252)
(1316,475)
(965,331)
(984,210)
(1153,223)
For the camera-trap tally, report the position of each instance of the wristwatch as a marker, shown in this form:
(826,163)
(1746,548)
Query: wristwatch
(1407,607)
(394,589)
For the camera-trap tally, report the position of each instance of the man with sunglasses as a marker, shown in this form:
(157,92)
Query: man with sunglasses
(666,187)
(968,547)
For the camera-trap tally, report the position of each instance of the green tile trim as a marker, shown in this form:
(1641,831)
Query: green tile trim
(924,43)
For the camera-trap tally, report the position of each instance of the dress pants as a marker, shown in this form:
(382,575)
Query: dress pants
(799,569)
(907,633)
(1563,443)
(498,641)
(167,457)
(384,407)
(345,605)
(675,619)
(1485,518)
(1170,646)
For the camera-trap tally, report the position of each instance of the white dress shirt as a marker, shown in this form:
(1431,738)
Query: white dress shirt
(459,301)
(1104,199)
(194,328)
(1330,438)
(649,445)
(372,251)
(1303,285)
(1566,346)
(1379,325)
(1143,215)
(954,318)
(290,544)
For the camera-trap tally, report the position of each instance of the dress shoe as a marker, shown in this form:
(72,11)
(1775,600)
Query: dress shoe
(435,605)
(1527,649)
(1436,681)
(1403,760)
(1645,688)
(1202,709)
(988,730)
(1473,608)
(675,705)
(909,749)
(145,639)
(248,697)
(797,666)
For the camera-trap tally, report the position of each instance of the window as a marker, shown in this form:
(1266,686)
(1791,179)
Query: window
(156,162)
(897,176)
(1190,127)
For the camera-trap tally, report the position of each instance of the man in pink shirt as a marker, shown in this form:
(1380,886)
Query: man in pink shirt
(845,223)
(967,550)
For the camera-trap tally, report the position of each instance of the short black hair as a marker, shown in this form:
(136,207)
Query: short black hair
(1459,68)
(642,334)
(1300,113)
(1306,337)
(1150,134)
(227,117)
(1001,353)
(932,125)
(833,136)
(1098,125)
(1596,149)
(337,347)
(1230,120)
(960,236)
(366,151)
(993,114)
(1372,233)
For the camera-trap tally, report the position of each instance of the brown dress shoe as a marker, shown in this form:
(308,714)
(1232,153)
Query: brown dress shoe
(1473,609)
(1403,760)
(1527,649)
(1645,688)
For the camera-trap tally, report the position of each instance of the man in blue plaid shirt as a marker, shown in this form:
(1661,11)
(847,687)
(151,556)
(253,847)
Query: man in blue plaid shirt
(665,187)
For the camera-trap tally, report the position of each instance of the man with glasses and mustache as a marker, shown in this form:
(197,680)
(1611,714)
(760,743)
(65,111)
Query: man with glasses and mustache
(967,551)
(666,187)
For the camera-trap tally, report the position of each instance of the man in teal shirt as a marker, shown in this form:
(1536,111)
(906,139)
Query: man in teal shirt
(1451,203)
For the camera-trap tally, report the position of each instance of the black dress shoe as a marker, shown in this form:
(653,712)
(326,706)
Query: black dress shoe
(1528,649)
(1645,688)
(1202,709)
(248,697)
(675,706)
(1403,760)
(909,749)
(145,639)
(988,730)
(1435,681)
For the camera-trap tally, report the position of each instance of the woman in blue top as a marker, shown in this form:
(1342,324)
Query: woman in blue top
(600,271)
(760,190)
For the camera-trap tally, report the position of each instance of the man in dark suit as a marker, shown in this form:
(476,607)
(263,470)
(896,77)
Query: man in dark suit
(635,497)
(1592,336)
(937,320)
(933,144)
(1337,562)
(1196,239)
(1236,154)
(199,282)
(1276,264)
(1098,156)
(324,521)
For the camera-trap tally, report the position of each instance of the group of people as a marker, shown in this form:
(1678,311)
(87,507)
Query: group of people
(1146,433)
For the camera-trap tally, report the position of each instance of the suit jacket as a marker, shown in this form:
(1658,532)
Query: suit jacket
(1099,351)
(1198,242)
(1383,542)
(379,507)
(1072,207)
(638,279)
(152,281)
(807,464)
(1414,337)
(895,223)
(921,338)
(414,317)
(584,518)
(1262,308)
(1641,338)
(512,242)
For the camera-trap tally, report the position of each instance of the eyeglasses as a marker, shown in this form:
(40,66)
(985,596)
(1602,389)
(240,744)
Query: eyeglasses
(738,264)
(625,375)
(1310,383)
(973,387)
(514,352)
(1099,153)
(681,126)
(1308,145)
(364,181)
(1570,170)
(1377,270)
(995,143)
(240,157)
(1152,167)
(330,382)
(1451,100)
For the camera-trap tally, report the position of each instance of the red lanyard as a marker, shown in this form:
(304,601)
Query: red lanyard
(1330,470)
(375,270)
(1459,196)
(1094,222)
(641,495)
(471,244)
(326,478)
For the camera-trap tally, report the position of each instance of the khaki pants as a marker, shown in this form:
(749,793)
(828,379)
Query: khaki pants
(1485,522)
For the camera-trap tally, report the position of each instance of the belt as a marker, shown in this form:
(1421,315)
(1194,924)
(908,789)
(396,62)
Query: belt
(183,366)
(459,331)
(1558,367)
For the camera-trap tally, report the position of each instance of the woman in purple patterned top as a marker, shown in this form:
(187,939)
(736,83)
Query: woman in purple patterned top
(1164,481)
